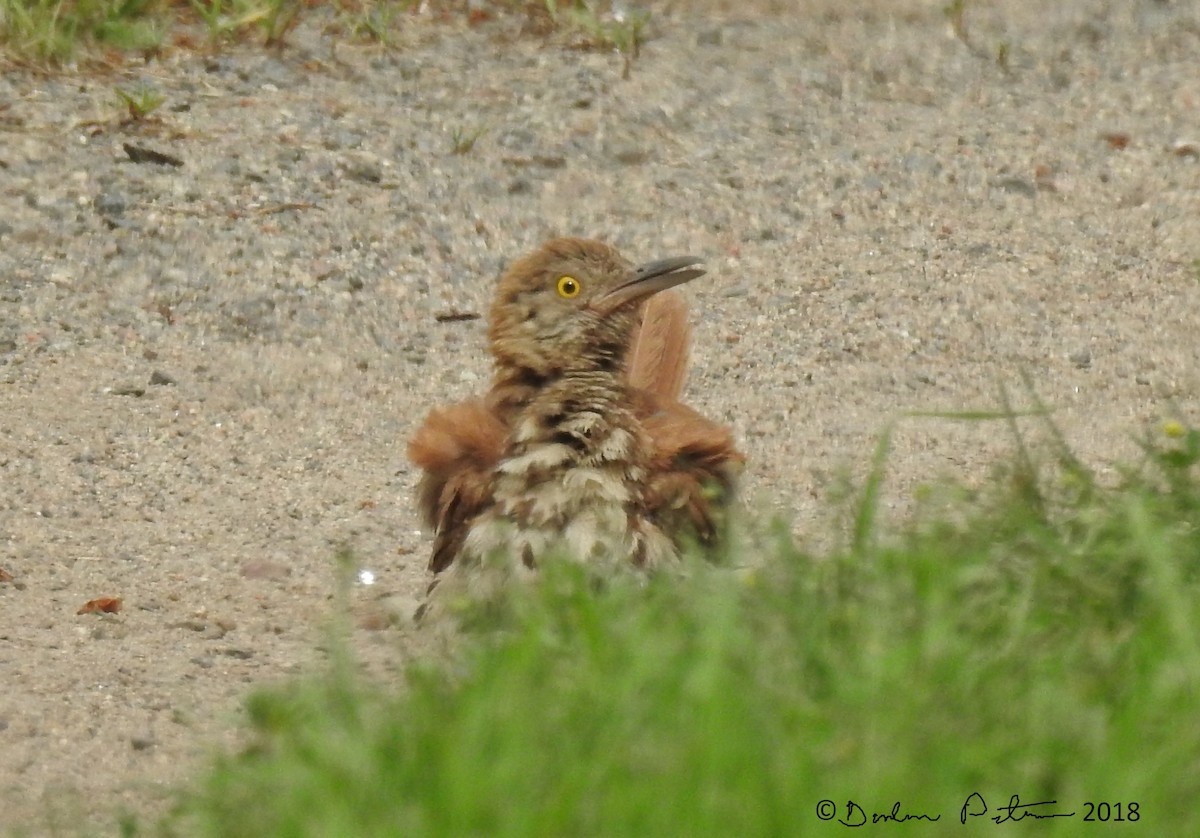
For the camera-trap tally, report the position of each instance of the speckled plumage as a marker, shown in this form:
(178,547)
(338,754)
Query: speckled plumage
(565,454)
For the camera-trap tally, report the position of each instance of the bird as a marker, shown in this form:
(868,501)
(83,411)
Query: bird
(581,445)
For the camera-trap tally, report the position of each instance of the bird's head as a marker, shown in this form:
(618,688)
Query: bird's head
(573,304)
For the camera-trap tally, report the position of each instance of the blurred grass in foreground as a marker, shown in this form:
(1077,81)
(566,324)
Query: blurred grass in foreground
(1038,639)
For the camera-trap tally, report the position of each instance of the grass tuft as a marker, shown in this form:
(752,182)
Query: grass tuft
(58,32)
(140,102)
(52,30)
(1038,642)
(463,139)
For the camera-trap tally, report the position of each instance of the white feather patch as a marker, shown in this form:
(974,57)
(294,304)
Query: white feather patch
(585,485)
(538,458)
(583,423)
(528,429)
(617,446)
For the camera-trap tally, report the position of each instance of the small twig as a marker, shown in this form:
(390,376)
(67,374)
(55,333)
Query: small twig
(291,205)
(455,316)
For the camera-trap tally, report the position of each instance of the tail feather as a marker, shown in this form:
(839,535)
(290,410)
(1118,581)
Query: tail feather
(658,357)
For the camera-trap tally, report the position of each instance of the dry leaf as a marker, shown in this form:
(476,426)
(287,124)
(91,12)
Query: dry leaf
(141,154)
(1185,148)
(1043,178)
(105,605)
(1116,139)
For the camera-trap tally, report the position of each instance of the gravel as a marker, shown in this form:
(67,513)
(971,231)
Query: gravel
(209,369)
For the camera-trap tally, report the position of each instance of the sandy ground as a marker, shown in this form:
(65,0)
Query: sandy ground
(208,372)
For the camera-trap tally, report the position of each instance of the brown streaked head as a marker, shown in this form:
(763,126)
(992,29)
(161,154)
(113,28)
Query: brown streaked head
(573,303)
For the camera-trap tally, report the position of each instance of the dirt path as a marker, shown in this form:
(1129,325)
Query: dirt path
(207,372)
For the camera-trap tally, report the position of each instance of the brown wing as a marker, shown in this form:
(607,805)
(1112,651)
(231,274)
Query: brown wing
(695,464)
(694,469)
(457,447)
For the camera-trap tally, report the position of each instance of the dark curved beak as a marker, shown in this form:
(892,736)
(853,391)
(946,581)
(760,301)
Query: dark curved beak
(648,280)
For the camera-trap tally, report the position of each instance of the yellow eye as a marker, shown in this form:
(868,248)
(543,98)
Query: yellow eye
(568,286)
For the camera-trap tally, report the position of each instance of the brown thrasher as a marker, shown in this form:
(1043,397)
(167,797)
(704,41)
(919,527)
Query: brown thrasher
(581,446)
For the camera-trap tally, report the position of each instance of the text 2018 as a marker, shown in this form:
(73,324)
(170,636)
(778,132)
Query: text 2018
(1114,812)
